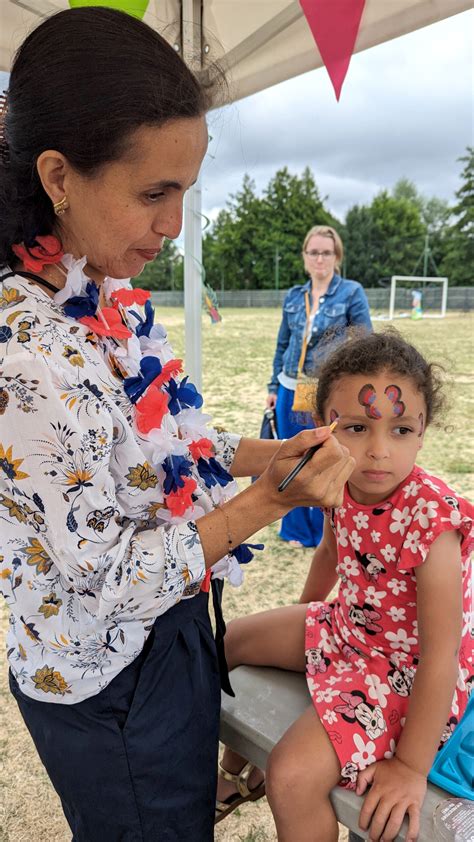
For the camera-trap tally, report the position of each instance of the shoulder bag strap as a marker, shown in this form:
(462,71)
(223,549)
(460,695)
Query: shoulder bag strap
(305,337)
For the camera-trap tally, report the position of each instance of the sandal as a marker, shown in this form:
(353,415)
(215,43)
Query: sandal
(243,794)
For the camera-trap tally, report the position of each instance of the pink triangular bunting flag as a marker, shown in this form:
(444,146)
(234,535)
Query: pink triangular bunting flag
(334,24)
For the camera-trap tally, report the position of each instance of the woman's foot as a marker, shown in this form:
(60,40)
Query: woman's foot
(297,545)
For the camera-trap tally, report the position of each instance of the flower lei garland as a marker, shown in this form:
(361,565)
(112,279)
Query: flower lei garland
(167,409)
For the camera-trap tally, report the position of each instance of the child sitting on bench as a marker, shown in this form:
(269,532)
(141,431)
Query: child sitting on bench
(389,661)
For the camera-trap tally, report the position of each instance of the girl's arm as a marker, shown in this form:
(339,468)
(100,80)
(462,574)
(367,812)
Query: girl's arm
(399,784)
(322,574)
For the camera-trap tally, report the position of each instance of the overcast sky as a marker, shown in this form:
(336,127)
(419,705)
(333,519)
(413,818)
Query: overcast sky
(406,110)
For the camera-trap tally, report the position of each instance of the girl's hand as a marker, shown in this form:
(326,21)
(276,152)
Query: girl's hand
(395,790)
(321,481)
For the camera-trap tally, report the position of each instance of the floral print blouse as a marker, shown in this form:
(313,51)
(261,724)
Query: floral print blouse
(89,555)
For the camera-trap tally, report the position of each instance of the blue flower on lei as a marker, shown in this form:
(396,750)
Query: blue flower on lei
(213,473)
(243,553)
(183,395)
(144,325)
(150,368)
(83,305)
(175,468)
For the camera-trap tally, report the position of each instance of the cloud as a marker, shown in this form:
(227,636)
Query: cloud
(405,111)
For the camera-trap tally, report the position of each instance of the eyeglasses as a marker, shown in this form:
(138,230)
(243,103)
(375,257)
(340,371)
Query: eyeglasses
(326,255)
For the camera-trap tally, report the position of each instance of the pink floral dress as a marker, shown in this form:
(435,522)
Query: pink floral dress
(362,649)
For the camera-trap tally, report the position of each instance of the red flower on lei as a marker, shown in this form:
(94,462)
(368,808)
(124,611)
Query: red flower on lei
(169,370)
(180,500)
(34,258)
(202,448)
(109,323)
(151,409)
(127,297)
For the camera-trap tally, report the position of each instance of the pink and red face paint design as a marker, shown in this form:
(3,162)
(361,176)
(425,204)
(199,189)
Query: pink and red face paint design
(367,397)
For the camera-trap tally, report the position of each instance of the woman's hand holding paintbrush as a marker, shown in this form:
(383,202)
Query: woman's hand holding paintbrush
(311,469)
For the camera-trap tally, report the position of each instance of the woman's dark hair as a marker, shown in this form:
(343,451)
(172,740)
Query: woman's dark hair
(376,352)
(82,83)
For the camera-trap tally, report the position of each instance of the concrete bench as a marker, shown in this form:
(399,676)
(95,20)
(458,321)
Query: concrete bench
(267,701)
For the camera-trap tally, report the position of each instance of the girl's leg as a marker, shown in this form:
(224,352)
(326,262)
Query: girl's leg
(272,639)
(302,769)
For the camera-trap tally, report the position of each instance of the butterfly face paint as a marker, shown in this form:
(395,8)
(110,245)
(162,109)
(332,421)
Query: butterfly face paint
(333,416)
(367,398)
(394,394)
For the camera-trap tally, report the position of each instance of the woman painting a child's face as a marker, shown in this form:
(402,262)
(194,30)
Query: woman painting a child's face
(381,421)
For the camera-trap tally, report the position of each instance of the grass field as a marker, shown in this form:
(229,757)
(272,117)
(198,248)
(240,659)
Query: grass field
(237,362)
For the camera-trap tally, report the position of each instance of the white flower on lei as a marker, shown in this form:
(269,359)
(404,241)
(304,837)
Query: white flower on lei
(228,567)
(361,520)
(411,490)
(424,511)
(397,586)
(355,540)
(400,520)
(341,535)
(365,754)
(350,592)
(111,285)
(165,444)
(388,553)
(375,536)
(398,615)
(157,345)
(412,541)
(131,356)
(374,597)
(192,422)
(378,690)
(400,640)
(76,279)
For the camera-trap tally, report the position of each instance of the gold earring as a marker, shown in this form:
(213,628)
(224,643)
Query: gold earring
(61,206)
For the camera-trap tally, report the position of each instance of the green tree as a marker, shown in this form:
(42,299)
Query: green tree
(256,242)
(458,260)
(383,239)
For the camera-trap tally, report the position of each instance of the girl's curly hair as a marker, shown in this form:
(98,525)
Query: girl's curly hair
(383,351)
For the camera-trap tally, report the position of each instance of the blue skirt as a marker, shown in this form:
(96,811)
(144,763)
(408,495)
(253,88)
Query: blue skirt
(304,524)
(138,761)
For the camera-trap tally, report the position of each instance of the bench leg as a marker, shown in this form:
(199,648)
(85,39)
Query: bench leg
(354,838)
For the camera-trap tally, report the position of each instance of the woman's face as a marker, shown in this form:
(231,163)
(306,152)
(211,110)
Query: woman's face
(320,266)
(120,217)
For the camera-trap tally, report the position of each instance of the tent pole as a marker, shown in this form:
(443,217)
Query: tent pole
(191,29)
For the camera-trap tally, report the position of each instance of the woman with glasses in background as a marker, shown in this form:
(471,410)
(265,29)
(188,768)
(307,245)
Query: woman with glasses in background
(316,314)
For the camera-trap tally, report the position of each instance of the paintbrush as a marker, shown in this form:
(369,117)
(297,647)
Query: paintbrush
(308,455)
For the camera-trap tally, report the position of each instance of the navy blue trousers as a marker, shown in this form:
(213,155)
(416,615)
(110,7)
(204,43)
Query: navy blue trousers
(305,523)
(138,761)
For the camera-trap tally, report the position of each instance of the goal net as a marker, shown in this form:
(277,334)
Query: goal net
(412,296)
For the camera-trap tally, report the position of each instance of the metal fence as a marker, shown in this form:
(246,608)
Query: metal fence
(459,298)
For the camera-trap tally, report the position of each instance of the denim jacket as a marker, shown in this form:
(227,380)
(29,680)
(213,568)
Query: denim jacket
(345,303)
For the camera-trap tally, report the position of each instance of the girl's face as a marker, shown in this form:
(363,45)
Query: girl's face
(381,420)
(120,217)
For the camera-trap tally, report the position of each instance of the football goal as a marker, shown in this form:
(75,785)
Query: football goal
(412,296)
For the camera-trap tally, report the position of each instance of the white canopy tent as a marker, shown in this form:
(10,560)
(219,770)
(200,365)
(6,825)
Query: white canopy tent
(260,43)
